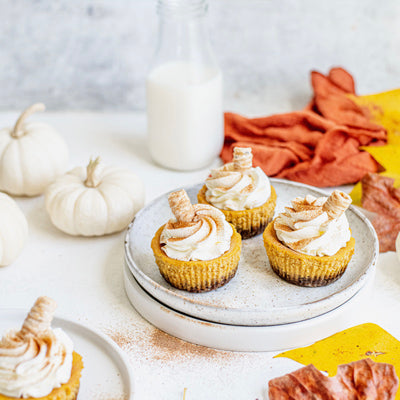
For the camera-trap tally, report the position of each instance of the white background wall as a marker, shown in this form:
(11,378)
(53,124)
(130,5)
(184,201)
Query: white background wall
(90,54)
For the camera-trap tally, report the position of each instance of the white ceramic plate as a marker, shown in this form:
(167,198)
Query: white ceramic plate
(106,374)
(256,295)
(248,338)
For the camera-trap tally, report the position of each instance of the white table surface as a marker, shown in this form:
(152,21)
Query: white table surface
(84,275)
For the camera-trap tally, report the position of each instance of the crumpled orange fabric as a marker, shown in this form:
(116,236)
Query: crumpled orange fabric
(319,145)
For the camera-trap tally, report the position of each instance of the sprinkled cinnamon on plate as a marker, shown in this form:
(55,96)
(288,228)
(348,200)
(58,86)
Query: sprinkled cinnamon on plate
(157,345)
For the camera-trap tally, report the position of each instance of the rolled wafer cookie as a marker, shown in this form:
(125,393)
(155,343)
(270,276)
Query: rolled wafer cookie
(242,158)
(181,206)
(338,202)
(39,317)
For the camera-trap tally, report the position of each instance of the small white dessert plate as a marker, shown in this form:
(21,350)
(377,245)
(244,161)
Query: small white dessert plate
(249,338)
(106,374)
(256,295)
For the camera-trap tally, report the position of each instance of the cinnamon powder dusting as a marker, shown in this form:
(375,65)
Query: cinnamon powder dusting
(156,345)
(168,347)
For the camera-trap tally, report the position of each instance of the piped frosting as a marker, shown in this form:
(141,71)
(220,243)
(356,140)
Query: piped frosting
(198,232)
(36,359)
(315,226)
(238,185)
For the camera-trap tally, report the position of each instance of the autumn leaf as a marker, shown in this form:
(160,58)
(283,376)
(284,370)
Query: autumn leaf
(385,110)
(356,193)
(362,379)
(361,341)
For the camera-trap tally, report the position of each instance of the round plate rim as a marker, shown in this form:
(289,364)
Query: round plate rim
(65,321)
(242,338)
(148,284)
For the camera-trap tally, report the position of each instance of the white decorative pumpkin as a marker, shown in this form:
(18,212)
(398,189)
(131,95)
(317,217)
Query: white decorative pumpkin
(13,230)
(32,155)
(94,201)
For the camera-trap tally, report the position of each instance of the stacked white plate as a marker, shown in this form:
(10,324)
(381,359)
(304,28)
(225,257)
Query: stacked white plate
(256,310)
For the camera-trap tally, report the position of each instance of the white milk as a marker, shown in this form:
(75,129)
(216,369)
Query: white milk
(184,114)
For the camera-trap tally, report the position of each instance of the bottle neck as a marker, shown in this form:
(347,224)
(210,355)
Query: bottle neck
(183,35)
(182,9)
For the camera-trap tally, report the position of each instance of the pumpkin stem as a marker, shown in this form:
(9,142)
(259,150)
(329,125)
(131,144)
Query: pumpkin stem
(17,131)
(92,173)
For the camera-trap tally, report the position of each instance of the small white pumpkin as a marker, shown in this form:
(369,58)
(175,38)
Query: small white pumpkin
(32,155)
(13,230)
(94,201)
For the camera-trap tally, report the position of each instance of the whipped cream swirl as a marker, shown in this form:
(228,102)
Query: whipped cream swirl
(34,366)
(229,189)
(313,226)
(36,359)
(205,237)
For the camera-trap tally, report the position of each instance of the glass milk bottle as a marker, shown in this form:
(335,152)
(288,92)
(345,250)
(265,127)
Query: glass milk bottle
(184,90)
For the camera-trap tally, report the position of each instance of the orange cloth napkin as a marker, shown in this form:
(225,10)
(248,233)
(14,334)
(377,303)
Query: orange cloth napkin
(319,145)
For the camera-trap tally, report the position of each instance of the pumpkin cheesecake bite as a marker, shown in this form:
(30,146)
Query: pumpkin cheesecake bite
(310,244)
(197,250)
(38,362)
(242,192)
